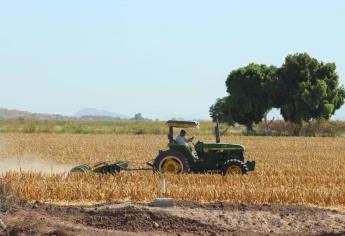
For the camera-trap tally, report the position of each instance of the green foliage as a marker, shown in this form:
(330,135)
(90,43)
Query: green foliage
(272,128)
(310,89)
(220,111)
(29,127)
(104,127)
(303,88)
(317,128)
(138,116)
(249,88)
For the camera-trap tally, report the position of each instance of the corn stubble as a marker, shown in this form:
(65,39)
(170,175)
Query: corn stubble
(290,170)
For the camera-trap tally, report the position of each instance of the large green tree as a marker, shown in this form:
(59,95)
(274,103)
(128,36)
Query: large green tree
(309,89)
(249,96)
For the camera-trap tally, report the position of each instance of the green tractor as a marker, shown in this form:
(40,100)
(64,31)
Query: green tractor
(204,157)
(181,158)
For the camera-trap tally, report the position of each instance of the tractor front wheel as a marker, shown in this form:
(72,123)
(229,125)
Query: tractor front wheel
(171,162)
(235,167)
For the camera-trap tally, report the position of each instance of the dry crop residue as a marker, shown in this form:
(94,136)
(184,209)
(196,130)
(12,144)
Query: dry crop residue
(290,170)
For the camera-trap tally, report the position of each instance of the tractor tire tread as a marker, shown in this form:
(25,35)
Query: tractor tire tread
(240,163)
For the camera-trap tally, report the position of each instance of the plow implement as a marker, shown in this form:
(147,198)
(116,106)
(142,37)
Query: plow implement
(108,168)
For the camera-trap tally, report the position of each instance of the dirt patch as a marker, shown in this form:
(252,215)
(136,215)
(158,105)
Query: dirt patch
(9,202)
(187,218)
(274,208)
(32,223)
(142,220)
(268,218)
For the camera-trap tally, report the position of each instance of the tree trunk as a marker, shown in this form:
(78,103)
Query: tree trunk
(298,128)
(249,127)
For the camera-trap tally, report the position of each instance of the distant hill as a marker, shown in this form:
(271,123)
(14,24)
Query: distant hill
(97,113)
(84,114)
(12,114)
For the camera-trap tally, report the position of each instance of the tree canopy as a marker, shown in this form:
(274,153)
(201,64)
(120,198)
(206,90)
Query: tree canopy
(220,111)
(310,89)
(303,88)
(248,98)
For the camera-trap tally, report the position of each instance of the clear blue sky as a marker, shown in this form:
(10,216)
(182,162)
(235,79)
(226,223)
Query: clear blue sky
(155,57)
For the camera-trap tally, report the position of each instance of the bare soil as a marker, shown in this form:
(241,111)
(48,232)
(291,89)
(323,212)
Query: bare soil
(186,218)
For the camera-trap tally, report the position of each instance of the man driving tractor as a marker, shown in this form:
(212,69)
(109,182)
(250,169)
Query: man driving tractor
(181,139)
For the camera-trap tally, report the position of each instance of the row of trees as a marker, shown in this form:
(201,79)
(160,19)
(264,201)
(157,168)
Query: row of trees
(302,88)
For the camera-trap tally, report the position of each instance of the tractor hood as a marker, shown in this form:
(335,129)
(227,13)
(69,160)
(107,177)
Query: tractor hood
(221,146)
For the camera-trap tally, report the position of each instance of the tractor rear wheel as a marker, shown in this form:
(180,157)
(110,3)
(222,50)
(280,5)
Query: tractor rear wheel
(235,167)
(171,162)
(81,169)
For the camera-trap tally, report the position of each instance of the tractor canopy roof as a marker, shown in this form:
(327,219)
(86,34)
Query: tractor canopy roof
(182,124)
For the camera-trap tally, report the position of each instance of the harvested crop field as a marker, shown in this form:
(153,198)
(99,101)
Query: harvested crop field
(292,175)
(290,170)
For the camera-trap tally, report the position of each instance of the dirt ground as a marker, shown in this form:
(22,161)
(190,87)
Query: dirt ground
(186,218)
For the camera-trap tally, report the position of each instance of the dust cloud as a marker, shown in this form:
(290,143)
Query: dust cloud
(32,164)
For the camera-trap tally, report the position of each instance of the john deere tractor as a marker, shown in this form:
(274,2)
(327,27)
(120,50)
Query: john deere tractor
(202,157)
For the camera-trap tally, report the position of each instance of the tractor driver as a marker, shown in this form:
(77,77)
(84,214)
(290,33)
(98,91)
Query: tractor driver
(181,139)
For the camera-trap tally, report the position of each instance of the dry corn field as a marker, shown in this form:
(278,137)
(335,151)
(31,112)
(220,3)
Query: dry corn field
(290,170)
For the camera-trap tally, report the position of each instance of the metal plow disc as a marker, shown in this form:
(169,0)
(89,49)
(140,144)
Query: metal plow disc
(81,169)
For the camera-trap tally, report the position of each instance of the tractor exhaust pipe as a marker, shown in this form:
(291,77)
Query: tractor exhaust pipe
(217,132)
